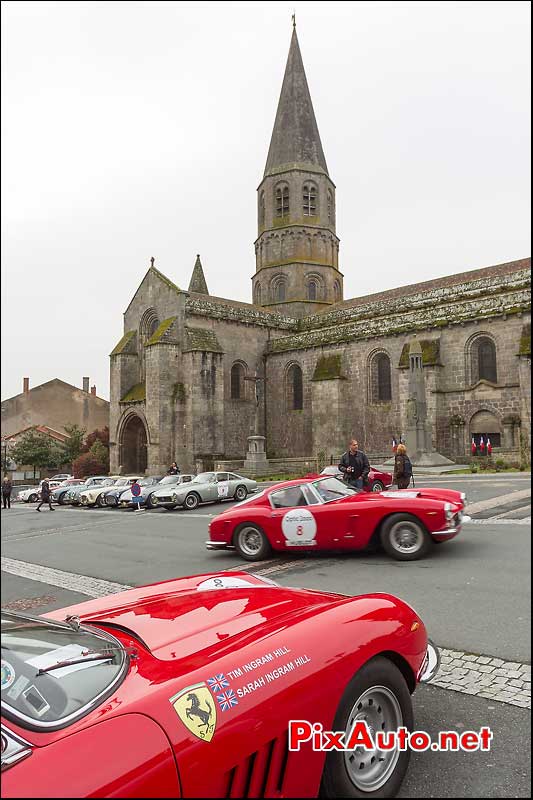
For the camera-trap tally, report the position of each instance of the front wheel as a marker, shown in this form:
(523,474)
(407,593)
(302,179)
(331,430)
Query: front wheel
(405,538)
(61,499)
(240,493)
(251,543)
(377,486)
(378,696)
(32,498)
(100,501)
(192,501)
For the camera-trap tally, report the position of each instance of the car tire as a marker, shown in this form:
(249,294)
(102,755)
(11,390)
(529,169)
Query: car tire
(377,486)
(251,542)
(61,500)
(192,501)
(32,498)
(405,538)
(148,502)
(378,694)
(241,493)
(100,501)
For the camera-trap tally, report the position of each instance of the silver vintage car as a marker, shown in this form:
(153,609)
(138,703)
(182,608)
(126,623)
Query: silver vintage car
(163,496)
(213,487)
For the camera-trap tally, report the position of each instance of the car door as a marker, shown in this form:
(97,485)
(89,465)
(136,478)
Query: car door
(222,486)
(298,520)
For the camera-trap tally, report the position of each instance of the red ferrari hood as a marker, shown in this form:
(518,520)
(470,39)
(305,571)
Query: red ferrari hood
(179,618)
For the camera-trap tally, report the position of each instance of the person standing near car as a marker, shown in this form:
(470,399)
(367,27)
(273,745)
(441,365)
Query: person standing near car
(403,470)
(174,469)
(7,488)
(46,496)
(355,466)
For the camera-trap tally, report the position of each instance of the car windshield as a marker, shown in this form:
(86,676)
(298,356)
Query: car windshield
(332,489)
(170,479)
(53,673)
(204,477)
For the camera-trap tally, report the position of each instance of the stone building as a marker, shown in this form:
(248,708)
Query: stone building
(54,404)
(329,368)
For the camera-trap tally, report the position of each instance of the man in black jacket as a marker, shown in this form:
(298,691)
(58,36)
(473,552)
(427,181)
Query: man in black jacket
(45,495)
(355,466)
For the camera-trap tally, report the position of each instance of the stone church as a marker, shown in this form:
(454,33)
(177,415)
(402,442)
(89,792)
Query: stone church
(195,375)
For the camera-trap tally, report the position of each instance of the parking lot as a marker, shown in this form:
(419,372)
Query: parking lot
(472,593)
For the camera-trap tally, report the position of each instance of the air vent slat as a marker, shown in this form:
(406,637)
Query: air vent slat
(259,772)
(278,763)
(240,779)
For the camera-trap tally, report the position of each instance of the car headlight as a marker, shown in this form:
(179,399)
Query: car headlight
(448,511)
(464,498)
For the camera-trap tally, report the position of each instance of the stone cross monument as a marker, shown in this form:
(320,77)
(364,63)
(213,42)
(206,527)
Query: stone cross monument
(256,460)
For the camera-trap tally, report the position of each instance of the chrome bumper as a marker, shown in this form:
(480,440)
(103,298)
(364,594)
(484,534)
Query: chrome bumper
(431,663)
(218,546)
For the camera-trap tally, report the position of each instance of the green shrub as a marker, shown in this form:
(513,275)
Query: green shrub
(473,467)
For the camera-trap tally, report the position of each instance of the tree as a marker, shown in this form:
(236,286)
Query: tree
(101,453)
(38,451)
(101,434)
(73,447)
(87,464)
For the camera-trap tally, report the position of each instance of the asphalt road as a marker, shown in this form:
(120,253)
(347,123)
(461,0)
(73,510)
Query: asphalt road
(472,593)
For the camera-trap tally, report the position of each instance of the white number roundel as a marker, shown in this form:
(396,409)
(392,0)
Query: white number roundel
(299,525)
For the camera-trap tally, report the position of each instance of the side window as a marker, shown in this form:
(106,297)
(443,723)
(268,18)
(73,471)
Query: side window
(222,476)
(288,498)
(310,496)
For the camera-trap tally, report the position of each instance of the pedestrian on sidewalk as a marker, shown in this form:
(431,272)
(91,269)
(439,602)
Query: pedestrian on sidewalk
(355,466)
(46,496)
(403,469)
(7,488)
(136,494)
(174,469)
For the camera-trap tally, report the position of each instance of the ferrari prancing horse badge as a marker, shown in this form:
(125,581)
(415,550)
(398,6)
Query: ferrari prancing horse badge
(196,708)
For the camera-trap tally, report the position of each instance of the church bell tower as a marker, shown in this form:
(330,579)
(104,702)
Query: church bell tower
(297,249)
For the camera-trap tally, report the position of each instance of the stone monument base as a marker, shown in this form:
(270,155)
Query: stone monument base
(256,461)
(426,460)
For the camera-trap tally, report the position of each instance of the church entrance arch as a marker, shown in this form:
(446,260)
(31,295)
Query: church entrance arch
(134,446)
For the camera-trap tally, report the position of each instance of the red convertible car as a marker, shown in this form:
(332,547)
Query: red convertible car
(325,514)
(187,688)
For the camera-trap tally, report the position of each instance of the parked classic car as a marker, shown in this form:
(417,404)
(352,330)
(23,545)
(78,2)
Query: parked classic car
(325,514)
(186,688)
(148,487)
(96,495)
(111,496)
(213,487)
(377,480)
(33,494)
(163,496)
(72,496)
(60,491)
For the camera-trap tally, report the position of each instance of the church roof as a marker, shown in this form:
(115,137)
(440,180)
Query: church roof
(295,141)
(198,283)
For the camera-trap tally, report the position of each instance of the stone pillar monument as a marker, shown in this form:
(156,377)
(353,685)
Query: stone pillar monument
(418,438)
(256,461)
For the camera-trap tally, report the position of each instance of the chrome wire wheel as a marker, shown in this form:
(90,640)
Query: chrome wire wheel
(250,541)
(406,537)
(192,501)
(379,708)
(240,493)
(377,486)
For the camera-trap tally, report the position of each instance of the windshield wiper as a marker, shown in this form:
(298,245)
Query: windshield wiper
(88,655)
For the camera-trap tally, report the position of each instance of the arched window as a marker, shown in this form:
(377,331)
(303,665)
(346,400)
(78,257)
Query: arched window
(279,290)
(309,200)
(486,359)
(262,210)
(282,201)
(257,294)
(312,290)
(384,383)
(336,291)
(295,393)
(380,390)
(237,382)
(331,208)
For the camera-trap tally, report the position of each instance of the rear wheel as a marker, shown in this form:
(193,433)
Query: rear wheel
(405,538)
(377,486)
(240,493)
(100,501)
(251,543)
(378,696)
(192,501)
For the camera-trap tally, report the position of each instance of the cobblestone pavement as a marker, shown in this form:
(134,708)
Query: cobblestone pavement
(484,676)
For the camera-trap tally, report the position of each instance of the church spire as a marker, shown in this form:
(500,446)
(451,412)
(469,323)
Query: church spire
(198,283)
(295,138)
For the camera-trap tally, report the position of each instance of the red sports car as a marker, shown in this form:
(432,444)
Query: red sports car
(325,514)
(187,688)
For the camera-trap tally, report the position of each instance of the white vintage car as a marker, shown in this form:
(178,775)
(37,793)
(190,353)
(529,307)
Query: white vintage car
(94,496)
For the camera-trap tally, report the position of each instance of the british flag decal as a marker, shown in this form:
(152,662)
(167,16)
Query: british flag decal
(218,682)
(227,700)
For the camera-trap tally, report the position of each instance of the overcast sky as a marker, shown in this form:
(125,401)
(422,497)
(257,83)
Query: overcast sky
(139,129)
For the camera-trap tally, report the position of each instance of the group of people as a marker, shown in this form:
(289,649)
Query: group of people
(355,467)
